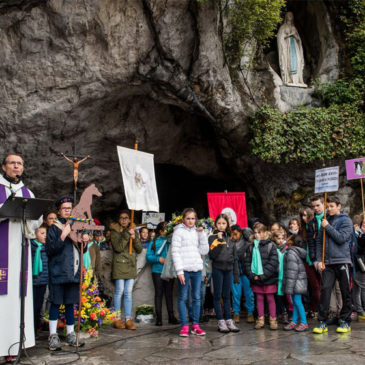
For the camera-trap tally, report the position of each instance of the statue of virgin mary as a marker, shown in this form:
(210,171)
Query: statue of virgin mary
(291,57)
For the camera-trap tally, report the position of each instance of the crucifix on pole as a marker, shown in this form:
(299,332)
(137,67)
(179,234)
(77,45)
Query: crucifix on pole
(75,160)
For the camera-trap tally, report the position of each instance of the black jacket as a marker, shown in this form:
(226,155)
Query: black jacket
(61,257)
(295,277)
(269,260)
(338,238)
(312,233)
(224,256)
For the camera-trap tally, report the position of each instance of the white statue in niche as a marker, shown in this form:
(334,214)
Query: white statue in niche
(291,57)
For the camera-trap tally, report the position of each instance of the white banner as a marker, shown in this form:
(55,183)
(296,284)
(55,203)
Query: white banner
(326,180)
(139,181)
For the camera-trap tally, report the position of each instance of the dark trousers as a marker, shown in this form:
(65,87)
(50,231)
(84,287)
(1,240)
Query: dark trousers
(163,287)
(222,283)
(332,273)
(314,281)
(38,296)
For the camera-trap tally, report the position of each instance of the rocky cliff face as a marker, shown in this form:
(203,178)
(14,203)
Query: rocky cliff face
(104,73)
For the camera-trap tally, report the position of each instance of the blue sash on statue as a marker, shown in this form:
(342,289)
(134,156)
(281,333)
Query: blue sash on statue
(293,56)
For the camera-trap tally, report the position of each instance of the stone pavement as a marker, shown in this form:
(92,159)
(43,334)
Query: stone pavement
(161,345)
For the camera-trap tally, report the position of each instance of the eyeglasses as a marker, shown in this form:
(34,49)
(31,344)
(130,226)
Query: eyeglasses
(123,218)
(15,163)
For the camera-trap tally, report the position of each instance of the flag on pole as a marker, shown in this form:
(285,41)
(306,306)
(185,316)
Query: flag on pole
(231,204)
(139,181)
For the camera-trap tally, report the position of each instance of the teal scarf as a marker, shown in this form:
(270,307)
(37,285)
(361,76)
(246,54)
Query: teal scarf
(256,264)
(281,271)
(37,263)
(100,242)
(319,219)
(86,257)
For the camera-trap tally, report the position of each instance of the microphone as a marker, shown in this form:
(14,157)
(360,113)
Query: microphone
(17,178)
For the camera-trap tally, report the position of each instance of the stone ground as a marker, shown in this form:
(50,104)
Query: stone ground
(161,345)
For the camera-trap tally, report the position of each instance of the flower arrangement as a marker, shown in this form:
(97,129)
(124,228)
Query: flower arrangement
(206,223)
(94,312)
(176,219)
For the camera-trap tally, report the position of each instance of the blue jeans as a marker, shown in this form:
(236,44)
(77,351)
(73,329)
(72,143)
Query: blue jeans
(222,283)
(195,279)
(237,293)
(202,299)
(298,309)
(126,286)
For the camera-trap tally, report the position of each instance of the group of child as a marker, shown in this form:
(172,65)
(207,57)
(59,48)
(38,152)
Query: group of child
(272,263)
(275,264)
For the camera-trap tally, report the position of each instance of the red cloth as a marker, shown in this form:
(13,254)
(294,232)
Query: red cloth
(234,203)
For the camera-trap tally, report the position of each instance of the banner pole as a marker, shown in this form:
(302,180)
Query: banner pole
(132,212)
(80,294)
(362,199)
(324,231)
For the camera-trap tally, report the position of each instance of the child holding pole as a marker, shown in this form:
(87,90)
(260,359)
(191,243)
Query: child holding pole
(337,258)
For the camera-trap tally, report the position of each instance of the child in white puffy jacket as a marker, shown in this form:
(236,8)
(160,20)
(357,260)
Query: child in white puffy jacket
(188,244)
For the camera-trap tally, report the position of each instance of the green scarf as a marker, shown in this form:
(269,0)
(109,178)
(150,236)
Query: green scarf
(37,263)
(256,264)
(319,219)
(281,271)
(86,257)
(309,262)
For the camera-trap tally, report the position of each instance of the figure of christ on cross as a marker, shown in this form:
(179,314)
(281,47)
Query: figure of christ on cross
(76,162)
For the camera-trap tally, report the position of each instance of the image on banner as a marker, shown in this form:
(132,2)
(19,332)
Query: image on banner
(355,169)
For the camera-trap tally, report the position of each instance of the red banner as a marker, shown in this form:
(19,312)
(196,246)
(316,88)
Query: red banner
(231,204)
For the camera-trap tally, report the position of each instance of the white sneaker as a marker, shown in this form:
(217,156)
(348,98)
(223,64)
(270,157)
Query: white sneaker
(231,325)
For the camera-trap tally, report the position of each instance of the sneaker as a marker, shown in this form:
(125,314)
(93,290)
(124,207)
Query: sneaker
(231,325)
(196,330)
(71,340)
(361,317)
(222,326)
(344,327)
(302,327)
(54,343)
(184,332)
(321,327)
(290,326)
(250,318)
(236,318)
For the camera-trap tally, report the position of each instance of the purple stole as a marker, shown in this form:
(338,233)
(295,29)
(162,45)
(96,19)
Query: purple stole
(4,245)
